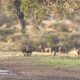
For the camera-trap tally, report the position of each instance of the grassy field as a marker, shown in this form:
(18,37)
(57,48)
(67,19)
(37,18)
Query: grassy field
(40,68)
(54,61)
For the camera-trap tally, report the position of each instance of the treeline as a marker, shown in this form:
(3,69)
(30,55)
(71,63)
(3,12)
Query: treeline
(33,12)
(39,9)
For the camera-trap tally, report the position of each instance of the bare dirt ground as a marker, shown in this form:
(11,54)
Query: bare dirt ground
(26,68)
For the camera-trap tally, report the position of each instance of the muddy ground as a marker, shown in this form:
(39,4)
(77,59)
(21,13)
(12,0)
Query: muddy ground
(19,68)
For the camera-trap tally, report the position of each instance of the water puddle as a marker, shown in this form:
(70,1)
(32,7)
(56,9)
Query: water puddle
(6,72)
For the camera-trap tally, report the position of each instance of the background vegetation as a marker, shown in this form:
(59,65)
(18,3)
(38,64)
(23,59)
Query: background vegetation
(46,21)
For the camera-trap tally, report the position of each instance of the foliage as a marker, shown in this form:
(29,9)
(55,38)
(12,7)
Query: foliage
(36,11)
(37,8)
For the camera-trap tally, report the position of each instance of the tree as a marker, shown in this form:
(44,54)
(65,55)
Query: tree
(20,14)
(38,9)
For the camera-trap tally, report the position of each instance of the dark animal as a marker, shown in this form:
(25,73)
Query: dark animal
(55,49)
(78,52)
(64,49)
(27,50)
(59,49)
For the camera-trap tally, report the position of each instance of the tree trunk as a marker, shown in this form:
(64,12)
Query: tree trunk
(20,14)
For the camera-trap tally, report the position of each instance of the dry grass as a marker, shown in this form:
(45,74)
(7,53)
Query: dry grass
(39,67)
(72,53)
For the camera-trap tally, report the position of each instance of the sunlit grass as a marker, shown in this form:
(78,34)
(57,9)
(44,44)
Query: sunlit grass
(53,61)
(57,61)
(60,61)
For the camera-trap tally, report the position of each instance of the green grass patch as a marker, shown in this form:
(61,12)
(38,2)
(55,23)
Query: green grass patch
(55,62)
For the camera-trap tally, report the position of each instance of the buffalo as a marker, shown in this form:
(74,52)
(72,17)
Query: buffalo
(27,50)
(78,52)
